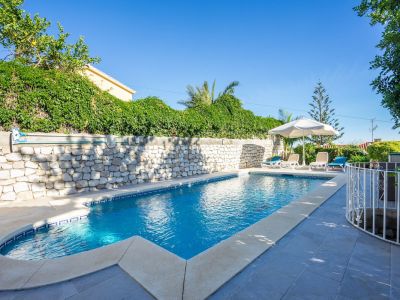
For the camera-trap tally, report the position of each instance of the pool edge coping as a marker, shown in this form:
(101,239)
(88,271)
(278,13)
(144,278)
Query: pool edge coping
(186,275)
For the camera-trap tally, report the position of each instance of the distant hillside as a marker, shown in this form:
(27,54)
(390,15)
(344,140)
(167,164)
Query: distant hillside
(37,100)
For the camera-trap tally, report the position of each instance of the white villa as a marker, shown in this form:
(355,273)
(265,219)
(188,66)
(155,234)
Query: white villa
(109,84)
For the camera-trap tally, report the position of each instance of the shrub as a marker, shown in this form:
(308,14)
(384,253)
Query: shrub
(379,151)
(352,152)
(54,101)
(310,150)
(358,158)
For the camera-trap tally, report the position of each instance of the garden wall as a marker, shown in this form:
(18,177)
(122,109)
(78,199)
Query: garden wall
(56,165)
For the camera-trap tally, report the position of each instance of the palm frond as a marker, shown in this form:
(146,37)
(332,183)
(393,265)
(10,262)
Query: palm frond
(230,89)
(191,91)
(213,92)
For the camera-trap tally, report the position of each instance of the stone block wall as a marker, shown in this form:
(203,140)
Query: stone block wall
(32,171)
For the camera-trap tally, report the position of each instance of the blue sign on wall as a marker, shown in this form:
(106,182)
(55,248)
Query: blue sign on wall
(18,137)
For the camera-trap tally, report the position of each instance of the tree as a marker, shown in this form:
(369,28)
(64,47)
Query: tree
(286,117)
(387,14)
(203,95)
(27,42)
(321,111)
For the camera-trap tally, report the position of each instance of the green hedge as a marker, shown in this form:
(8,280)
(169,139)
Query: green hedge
(52,101)
(352,152)
(379,151)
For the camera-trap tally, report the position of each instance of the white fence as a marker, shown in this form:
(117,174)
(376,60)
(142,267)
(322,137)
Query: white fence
(373,196)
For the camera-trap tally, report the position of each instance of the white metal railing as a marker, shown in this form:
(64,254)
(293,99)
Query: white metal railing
(373,199)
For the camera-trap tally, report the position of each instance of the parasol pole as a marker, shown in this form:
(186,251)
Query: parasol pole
(304,151)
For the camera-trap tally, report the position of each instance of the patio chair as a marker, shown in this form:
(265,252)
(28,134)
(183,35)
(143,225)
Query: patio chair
(338,162)
(292,161)
(321,161)
(275,161)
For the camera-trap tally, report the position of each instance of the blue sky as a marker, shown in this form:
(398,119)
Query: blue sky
(277,50)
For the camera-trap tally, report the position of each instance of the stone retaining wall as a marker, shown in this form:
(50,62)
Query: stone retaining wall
(36,171)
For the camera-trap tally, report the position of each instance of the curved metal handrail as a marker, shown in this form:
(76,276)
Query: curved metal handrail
(373,199)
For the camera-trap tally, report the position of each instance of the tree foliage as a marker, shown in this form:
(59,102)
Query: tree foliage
(27,41)
(387,14)
(204,95)
(322,111)
(379,151)
(54,101)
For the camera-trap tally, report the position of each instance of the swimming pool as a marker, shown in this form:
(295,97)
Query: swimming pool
(185,220)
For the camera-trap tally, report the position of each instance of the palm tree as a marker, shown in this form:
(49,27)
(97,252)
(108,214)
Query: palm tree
(286,117)
(203,95)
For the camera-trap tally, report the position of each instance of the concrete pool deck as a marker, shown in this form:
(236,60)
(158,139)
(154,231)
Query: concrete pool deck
(196,278)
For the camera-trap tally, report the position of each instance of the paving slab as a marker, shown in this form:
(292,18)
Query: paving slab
(110,283)
(394,293)
(358,285)
(159,271)
(121,286)
(395,266)
(312,286)
(58,292)
(85,282)
(329,264)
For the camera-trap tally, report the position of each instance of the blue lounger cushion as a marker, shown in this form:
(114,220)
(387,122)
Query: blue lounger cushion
(274,160)
(339,161)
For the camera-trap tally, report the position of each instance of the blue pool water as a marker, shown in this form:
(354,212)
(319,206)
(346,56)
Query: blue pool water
(185,221)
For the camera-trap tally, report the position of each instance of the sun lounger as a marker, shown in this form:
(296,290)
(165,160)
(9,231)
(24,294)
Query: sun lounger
(338,162)
(321,161)
(293,161)
(273,162)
